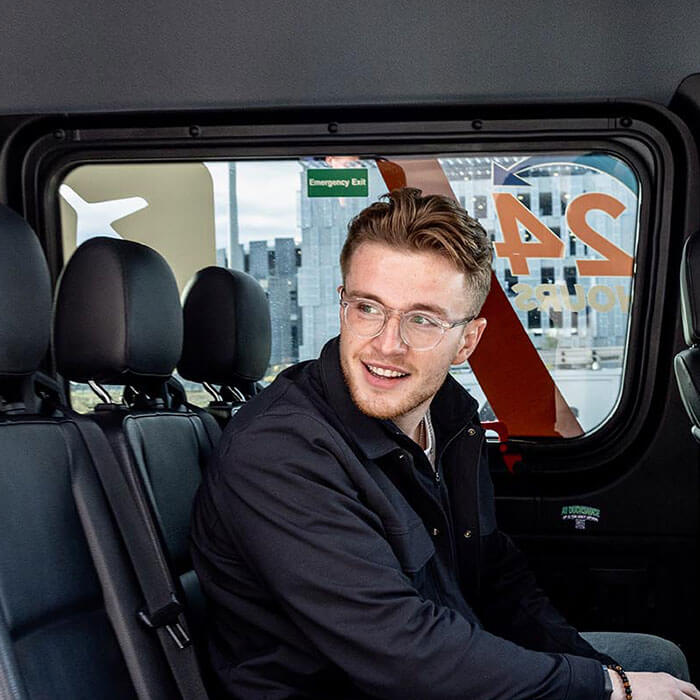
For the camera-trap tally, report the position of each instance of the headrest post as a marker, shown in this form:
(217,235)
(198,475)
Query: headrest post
(211,390)
(101,392)
(237,393)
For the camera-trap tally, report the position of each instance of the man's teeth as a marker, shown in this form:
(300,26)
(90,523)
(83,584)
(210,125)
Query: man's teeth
(385,372)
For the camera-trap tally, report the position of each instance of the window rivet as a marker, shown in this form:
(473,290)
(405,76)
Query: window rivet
(333,127)
(626,122)
(477,124)
(195,131)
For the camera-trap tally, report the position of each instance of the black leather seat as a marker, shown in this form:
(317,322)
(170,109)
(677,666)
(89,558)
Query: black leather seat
(687,362)
(118,320)
(227,337)
(68,598)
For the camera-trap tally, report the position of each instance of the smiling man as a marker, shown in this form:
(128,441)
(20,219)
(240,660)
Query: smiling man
(345,532)
(394,361)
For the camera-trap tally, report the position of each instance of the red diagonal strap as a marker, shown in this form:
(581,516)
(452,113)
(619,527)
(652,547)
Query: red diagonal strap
(516,382)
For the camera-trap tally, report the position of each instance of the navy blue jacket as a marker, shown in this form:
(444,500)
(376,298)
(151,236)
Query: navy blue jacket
(334,569)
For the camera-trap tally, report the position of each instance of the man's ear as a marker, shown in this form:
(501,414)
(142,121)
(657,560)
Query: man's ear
(470,339)
(341,315)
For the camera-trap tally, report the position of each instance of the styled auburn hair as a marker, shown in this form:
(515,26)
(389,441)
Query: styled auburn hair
(412,222)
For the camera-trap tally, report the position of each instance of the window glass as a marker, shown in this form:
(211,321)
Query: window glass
(545,203)
(563,226)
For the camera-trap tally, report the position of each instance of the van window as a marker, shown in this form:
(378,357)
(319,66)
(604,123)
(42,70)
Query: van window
(564,229)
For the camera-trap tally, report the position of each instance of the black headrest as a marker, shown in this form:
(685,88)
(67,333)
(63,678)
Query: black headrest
(117,314)
(690,289)
(227,328)
(25,297)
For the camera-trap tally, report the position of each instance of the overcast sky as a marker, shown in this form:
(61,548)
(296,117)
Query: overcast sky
(268,195)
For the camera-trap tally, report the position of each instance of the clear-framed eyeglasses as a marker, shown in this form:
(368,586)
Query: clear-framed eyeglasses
(419,330)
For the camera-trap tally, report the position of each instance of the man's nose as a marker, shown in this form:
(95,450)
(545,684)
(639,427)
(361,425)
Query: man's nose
(389,341)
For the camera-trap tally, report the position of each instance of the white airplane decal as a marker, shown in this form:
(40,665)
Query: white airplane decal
(96,218)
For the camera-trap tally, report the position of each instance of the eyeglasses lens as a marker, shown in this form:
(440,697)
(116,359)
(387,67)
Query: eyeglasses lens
(365,319)
(417,330)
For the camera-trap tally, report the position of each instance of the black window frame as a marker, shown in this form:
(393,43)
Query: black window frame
(41,151)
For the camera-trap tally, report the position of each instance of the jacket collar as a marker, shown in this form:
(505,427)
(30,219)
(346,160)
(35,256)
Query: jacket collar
(451,410)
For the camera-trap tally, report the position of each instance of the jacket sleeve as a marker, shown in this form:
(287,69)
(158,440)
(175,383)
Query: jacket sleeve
(284,496)
(512,604)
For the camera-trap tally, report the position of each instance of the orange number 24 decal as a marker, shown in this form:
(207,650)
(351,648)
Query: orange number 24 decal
(510,211)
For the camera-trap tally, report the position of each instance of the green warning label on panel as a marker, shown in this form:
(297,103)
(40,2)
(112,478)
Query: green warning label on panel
(349,182)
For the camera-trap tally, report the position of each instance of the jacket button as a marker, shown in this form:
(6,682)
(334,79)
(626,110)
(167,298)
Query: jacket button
(471,432)
(467,534)
(435,532)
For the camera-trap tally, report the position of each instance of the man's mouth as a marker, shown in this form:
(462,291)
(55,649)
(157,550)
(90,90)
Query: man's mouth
(384,372)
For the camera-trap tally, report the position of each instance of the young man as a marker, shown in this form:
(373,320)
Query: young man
(345,532)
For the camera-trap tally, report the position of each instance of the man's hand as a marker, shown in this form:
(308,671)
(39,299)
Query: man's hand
(654,686)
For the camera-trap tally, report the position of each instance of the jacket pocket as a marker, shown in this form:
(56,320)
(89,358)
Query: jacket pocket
(413,547)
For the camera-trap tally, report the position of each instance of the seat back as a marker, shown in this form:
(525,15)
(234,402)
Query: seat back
(118,303)
(68,599)
(687,362)
(227,337)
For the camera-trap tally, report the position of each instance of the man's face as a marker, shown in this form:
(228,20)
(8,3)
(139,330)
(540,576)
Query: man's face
(404,280)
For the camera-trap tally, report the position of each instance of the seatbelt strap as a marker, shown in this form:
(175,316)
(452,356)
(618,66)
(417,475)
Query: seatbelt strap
(162,611)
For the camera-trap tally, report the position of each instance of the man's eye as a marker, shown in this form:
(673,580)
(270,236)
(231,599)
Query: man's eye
(422,321)
(368,309)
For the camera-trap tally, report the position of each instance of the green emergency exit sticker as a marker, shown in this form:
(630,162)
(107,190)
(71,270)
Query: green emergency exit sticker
(348,182)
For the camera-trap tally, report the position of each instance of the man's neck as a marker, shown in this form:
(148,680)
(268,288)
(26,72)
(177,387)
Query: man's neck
(412,423)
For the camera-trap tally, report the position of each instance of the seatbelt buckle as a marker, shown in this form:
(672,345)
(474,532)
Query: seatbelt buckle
(168,617)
